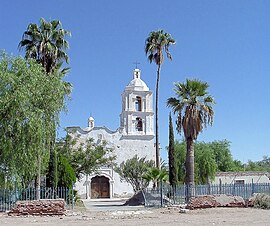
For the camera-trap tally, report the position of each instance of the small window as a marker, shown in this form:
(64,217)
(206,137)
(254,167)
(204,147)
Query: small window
(138,104)
(239,182)
(139,124)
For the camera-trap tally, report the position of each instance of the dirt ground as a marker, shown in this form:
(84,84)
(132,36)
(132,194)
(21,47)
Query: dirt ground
(147,216)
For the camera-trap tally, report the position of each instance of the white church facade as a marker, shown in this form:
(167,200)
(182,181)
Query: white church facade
(135,136)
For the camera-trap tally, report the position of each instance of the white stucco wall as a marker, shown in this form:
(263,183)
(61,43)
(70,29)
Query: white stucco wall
(247,177)
(124,147)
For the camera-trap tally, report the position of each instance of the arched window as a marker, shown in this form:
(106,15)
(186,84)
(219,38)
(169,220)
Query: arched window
(139,124)
(138,104)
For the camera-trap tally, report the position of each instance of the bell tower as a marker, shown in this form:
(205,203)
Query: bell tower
(137,116)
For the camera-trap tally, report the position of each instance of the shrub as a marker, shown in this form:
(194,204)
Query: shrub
(262,201)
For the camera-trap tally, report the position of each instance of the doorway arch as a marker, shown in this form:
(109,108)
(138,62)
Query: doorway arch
(100,187)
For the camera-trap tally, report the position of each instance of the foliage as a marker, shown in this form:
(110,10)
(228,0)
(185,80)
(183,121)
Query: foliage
(29,113)
(133,170)
(193,106)
(223,156)
(205,162)
(155,44)
(237,166)
(171,155)
(180,158)
(155,175)
(46,44)
(66,174)
(262,201)
(262,165)
(85,158)
(52,173)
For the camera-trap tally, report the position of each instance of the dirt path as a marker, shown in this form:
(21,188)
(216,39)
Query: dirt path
(165,216)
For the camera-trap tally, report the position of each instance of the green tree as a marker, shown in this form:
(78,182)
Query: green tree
(133,171)
(66,173)
(46,44)
(205,165)
(52,173)
(180,159)
(155,44)
(222,154)
(253,166)
(171,155)
(29,112)
(85,158)
(265,163)
(237,166)
(205,162)
(193,106)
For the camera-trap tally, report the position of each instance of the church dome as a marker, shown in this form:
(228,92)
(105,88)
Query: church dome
(136,83)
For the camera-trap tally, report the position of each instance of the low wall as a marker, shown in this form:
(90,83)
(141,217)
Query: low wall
(39,207)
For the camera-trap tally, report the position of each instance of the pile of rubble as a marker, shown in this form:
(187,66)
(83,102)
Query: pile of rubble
(39,207)
(210,201)
(136,200)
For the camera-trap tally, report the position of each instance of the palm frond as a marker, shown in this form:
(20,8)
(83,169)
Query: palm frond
(193,107)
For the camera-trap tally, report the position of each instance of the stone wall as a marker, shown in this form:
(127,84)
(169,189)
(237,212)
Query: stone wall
(210,201)
(39,207)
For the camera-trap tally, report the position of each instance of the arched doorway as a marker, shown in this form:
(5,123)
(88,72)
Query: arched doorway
(100,187)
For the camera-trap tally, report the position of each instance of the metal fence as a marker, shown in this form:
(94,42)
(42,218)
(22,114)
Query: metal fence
(167,195)
(8,198)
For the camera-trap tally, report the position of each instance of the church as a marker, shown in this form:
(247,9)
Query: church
(135,136)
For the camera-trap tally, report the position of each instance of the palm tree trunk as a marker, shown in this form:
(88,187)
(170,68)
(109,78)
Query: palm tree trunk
(157,134)
(190,168)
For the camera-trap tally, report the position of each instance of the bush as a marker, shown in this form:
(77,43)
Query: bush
(262,201)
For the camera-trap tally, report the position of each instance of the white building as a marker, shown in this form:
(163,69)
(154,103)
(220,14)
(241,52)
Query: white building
(245,177)
(134,136)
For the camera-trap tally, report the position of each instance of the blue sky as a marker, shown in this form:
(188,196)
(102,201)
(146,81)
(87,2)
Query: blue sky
(223,42)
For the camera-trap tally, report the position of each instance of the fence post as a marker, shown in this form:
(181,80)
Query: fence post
(72,195)
(161,194)
(252,187)
(209,189)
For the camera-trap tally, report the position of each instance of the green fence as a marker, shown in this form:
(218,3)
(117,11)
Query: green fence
(8,198)
(167,195)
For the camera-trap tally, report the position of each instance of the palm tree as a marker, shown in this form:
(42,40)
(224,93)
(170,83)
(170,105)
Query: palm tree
(155,44)
(155,175)
(171,155)
(193,107)
(46,44)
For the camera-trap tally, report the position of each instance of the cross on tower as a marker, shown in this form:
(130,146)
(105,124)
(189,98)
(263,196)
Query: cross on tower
(136,64)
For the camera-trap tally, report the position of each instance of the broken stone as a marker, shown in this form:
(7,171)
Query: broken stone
(39,207)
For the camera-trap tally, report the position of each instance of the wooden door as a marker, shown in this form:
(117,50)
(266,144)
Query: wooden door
(100,187)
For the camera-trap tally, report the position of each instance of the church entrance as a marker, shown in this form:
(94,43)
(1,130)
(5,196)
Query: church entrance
(100,187)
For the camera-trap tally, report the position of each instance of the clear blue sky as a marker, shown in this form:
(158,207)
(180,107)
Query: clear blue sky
(223,42)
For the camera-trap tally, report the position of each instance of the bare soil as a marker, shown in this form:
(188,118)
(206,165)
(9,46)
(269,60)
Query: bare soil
(147,216)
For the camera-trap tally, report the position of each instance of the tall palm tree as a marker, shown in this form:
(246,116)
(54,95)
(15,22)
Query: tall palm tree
(156,43)
(193,106)
(46,44)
